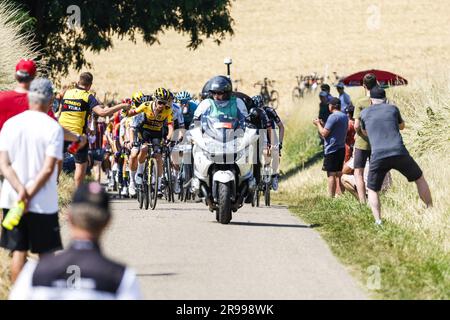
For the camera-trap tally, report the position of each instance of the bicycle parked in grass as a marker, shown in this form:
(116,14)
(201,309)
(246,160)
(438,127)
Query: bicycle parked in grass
(271,97)
(299,91)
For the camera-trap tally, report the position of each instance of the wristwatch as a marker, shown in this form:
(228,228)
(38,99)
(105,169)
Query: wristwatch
(79,138)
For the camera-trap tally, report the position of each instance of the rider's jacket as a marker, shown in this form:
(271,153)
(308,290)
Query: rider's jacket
(152,121)
(76,106)
(207,104)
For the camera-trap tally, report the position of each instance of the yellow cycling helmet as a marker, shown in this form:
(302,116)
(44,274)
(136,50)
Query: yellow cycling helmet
(137,98)
(162,94)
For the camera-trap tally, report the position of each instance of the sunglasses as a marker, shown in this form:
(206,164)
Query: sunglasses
(219,93)
(161,102)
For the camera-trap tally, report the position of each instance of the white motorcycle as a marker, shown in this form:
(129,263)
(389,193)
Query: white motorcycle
(223,165)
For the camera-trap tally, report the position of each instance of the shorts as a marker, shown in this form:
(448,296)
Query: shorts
(36,232)
(334,162)
(154,138)
(360,158)
(82,154)
(97,154)
(379,168)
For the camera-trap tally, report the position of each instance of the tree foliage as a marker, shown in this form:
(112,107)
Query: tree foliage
(63,46)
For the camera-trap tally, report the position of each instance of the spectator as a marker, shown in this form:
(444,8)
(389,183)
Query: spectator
(99,277)
(349,182)
(344,97)
(324,111)
(30,145)
(76,104)
(382,123)
(334,133)
(350,139)
(326,87)
(362,145)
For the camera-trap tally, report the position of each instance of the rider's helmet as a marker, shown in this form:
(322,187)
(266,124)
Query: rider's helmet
(221,84)
(162,94)
(258,101)
(184,96)
(136,98)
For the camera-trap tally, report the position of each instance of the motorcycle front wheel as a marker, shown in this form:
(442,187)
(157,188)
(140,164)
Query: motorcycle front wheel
(223,214)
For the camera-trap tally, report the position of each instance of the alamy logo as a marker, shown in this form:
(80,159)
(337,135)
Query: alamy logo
(73,281)
(74,18)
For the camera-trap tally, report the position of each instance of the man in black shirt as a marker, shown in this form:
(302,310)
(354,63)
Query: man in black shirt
(382,123)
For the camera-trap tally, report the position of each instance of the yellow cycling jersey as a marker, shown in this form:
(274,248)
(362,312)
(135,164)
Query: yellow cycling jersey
(155,122)
(77,104)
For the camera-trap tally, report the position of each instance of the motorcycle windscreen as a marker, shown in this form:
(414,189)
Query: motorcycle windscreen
(221,136)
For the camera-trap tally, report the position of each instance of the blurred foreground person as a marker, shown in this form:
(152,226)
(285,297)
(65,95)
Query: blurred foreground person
(81,272)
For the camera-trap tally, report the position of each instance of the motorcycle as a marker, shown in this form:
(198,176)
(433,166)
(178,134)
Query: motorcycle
(223,156)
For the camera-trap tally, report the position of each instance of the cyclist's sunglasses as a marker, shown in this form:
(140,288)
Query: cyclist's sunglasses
(220,93)
(162,102)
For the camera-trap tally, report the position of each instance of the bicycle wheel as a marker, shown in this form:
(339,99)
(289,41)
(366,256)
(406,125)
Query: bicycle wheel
(274,98)
(169,180)
(145,190)
(140,196)
(267,195)
(153,183)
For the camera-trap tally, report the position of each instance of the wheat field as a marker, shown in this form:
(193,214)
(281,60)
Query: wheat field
(281,39)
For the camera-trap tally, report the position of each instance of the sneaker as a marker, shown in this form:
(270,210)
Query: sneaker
(132,189)
(275,183)
(124,191)
(139,178)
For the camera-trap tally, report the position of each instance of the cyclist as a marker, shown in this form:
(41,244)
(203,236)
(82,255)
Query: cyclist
(135,134)
(179,127)
(188,107)
(157,114)
(258,117)
(275,142)
(77,104)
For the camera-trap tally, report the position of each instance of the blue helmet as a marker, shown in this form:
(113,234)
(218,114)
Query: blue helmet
(184,96)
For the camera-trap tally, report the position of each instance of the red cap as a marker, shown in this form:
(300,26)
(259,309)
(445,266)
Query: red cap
(26,67)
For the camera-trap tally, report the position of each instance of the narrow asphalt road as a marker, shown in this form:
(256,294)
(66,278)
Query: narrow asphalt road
(179,251)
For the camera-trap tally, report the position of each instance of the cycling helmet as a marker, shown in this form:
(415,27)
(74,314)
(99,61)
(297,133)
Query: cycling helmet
(137,98)
(162,94)
(220,83)
(147,98)
(184,96)
(258,101)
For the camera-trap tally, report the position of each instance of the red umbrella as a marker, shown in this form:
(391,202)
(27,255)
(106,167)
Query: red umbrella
(385,78)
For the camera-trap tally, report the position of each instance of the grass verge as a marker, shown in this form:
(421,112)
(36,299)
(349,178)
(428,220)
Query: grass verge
(391,262)
(409,257)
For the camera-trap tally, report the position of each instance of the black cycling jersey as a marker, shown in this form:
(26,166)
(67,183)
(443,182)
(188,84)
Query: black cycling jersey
(273,116)
(258,117)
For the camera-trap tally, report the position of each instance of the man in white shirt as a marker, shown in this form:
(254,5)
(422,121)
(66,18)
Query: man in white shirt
(81,272)
(31,143)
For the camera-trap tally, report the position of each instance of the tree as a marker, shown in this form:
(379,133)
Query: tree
(62,44)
